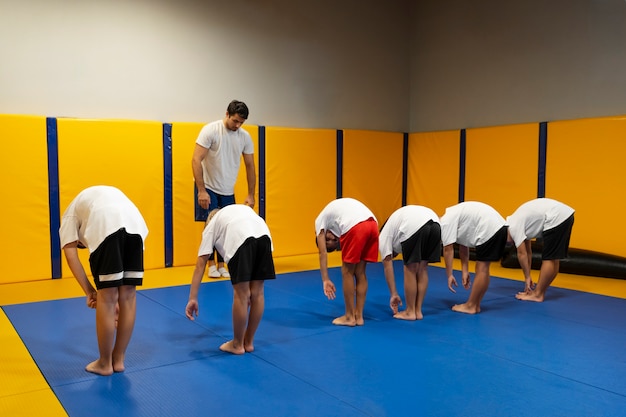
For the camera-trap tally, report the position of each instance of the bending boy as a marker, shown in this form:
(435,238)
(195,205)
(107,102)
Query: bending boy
(550,220)
(415,232)
(243,237)
(103,220)
(472,225)
(349,224)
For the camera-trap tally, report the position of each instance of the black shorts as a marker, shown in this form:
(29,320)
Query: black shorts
(423,245)
(253,261)
(118,261)
(556,240)
(493,249)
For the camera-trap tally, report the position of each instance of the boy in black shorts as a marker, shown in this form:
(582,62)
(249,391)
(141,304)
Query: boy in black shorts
(103,220)
(477,225)
(541,218)
(243,238)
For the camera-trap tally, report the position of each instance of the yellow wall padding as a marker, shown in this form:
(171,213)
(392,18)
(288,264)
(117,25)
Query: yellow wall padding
(501,165)
(372,170)
(25,246)
(433,170)
(585,169)
(300,181)
(124,154)
(188,232)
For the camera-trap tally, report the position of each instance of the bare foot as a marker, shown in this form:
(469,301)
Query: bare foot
(118,365)
(464,308)
(230,348)
(529,296)
(248,347)
(345,321)
(405,315)
(96,367)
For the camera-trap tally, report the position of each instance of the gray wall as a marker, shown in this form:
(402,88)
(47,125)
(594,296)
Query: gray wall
(494,62)
(314,64)
(397,65)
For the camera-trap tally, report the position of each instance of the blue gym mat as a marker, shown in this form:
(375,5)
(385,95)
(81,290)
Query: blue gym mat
(563,357)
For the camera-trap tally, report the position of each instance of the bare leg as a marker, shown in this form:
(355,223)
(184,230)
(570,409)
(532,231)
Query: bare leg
(481,283)
(241,300)
(349,291)
(105,329)
(257,306)
(361,292)
(547,274)
(125,324)
(422,286)
(410,293)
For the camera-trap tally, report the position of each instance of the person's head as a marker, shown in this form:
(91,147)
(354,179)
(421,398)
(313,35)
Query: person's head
(332,242)
(236,115)
(212,213)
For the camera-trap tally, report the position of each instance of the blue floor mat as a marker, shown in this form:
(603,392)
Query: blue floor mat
(563,357)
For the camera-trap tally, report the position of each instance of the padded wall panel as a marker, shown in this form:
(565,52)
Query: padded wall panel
(300,180)
(124,154)
(585,169)
(502,165)
(433,169)
(372,170)
(25,243)
(187,231)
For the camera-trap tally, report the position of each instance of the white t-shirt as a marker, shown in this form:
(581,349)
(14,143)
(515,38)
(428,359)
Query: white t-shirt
(220,167)
(341,215)
(534,217)
(96,213)
(229,228)
(470,224)
(401,225)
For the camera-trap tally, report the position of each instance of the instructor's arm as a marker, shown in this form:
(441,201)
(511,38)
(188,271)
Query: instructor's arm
(199,153)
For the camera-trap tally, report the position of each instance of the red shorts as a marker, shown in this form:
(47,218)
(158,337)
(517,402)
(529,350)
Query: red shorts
(360,243)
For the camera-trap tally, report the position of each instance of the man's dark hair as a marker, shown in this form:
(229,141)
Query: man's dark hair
(238,107)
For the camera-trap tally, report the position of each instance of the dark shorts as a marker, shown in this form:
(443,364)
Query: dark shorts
(217,201)
(423,245)
(253,261)
(118,261)
(556,240)
(493,249)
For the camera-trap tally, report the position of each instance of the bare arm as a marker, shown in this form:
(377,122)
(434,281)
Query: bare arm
(248,160)
(199,153)
(464,256)
(328,286)
(394,300)
(192,305)
(448,257)
(71,255)
(524,256)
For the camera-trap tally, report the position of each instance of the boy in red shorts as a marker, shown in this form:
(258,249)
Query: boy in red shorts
(347,224)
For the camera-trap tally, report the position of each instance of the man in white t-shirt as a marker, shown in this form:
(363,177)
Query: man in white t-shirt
(414,232)
(348,224)
(242,236)
(541,218)
(215,164)
(103,220)
(477,225)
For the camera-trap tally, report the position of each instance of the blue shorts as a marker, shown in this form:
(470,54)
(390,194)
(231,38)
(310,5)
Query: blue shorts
(217,201)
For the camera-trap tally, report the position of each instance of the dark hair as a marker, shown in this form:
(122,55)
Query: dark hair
(238,107)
